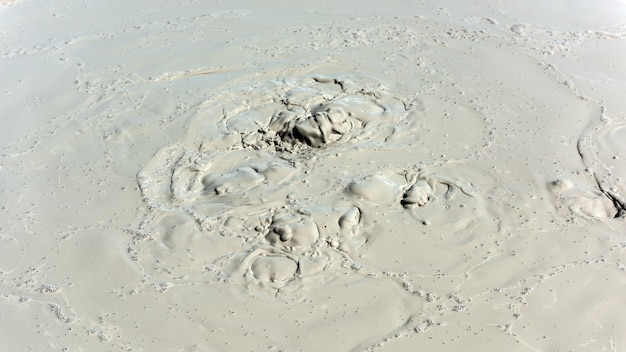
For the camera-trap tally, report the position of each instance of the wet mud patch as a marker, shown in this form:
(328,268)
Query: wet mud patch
(599,193)
(576,300)
(587,203)
(317,181)
(273,324)
(444,201)
(289,179)
(324,112)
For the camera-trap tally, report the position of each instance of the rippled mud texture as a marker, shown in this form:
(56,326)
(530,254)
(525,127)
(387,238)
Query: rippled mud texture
(273,184)
(587,203)
(267,193)
(419,194)
(326,124)
(299,219)
(249,176)
(325,112)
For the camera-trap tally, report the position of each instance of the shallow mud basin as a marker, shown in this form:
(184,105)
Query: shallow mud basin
(245,176)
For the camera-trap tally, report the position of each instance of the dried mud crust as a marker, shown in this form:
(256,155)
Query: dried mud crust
(277,187)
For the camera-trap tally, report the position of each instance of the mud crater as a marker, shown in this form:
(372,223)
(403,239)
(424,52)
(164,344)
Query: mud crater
(285,188)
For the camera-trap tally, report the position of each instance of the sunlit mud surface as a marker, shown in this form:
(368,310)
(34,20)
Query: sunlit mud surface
(187,176)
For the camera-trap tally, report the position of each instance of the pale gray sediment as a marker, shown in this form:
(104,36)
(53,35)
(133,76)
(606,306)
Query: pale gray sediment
(305,177)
